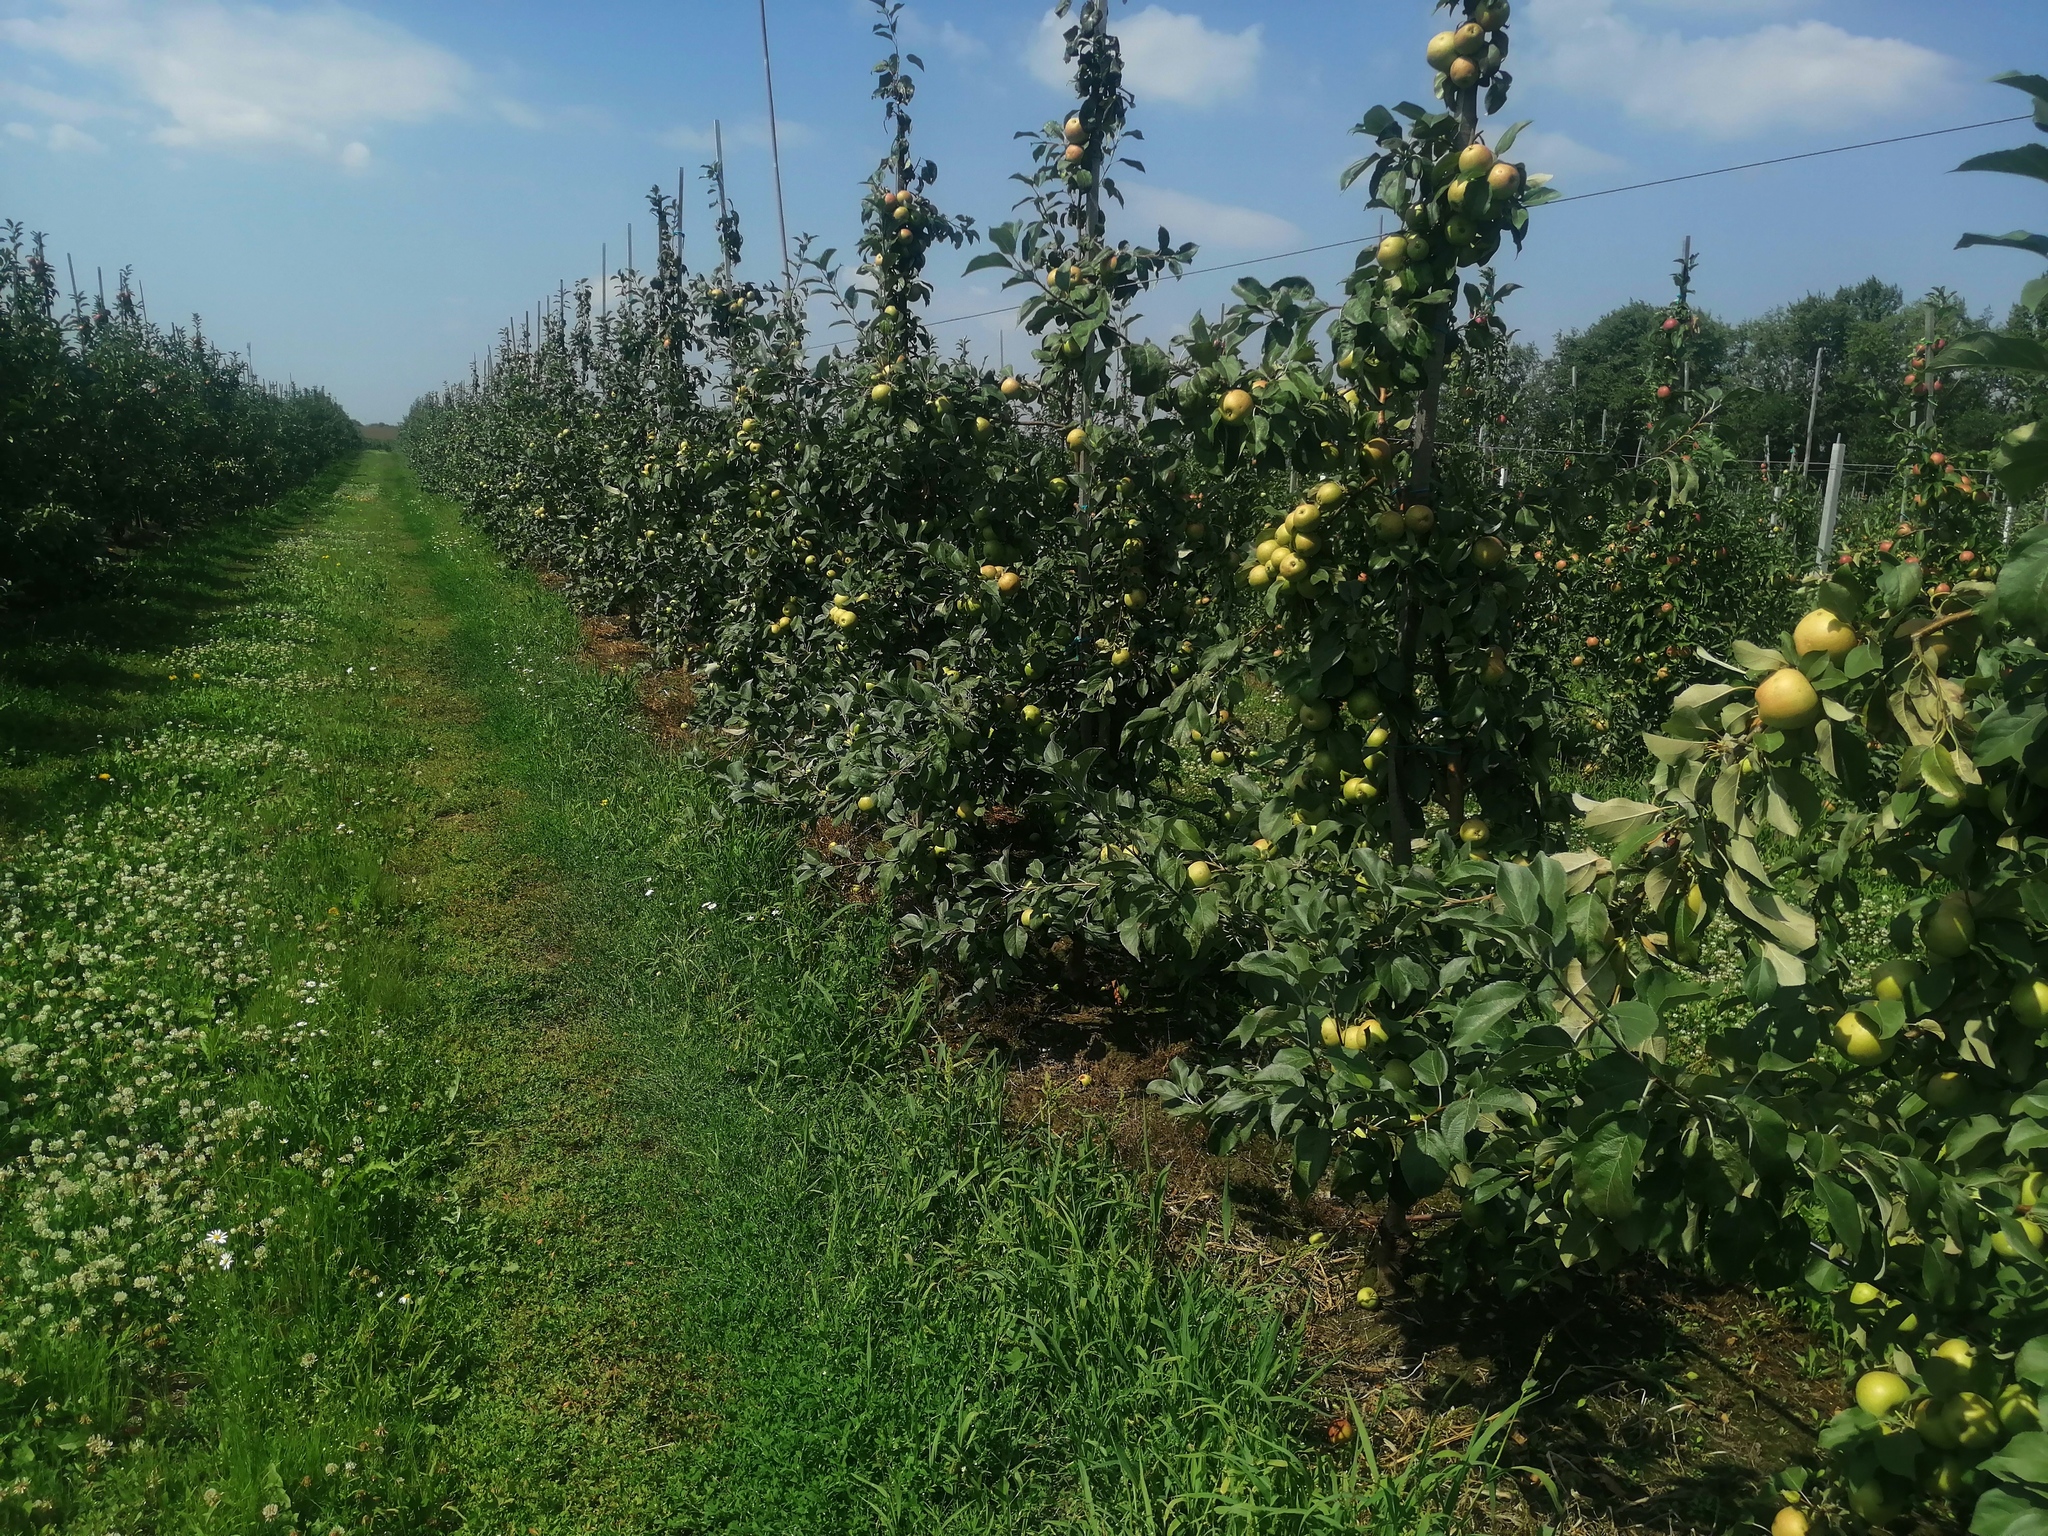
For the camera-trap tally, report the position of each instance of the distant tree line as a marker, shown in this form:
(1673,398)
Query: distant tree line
(1765,367)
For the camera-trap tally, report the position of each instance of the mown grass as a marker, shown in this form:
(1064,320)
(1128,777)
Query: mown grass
(575,1172)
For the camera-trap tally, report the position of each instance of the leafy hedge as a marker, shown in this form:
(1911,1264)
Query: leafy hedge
(1232,669)
(116,430)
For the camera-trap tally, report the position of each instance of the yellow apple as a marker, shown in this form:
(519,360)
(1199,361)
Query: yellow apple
(1786,701)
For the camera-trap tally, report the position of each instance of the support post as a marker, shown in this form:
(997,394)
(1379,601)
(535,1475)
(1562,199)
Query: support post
(1812,410)
(775,150)
(1831,506)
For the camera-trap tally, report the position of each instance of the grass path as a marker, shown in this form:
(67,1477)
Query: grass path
(571,1169)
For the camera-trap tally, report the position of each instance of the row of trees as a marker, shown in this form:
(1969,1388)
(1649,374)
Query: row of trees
(1234,671)
(118,430)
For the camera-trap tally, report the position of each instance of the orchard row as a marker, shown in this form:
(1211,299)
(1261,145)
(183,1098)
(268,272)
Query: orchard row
(118,430)
(1228,670)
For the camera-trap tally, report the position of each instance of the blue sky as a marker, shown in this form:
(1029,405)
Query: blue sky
(364,191)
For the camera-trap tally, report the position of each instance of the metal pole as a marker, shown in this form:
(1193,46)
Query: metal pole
(775,148)
(1812,410)
(1831,504)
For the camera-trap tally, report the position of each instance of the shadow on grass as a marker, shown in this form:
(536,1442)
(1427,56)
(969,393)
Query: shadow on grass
(79,669)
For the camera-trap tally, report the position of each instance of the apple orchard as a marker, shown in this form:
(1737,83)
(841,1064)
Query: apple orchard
(1230,673)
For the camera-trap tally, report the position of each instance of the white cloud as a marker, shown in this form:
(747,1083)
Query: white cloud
(919,36)
(752,134)
(1220,225)
(61,138)
(239,76)
(1167,57)
(1806,74)
(49,104)
(1559,154)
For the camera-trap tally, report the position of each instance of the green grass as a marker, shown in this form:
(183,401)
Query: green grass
(600,1181)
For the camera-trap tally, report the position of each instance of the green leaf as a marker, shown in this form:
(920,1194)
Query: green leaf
(1148,368)
(1378,123)
(1997,349)
(2032,1364)
(2035,86)
(1845,1216)
(1311,1156)
(2018,240)
(2023,583)
(1756,658)
(1276,963)
(1789,970)
(1485,1008)
(1421,1171)
(1636,1025)
(1431,1068)
(2004,736)
(1938,773)
(2022,461)
(2024,1136)
(1898,585)
(1672,749)
(1610,821)
(1787,924)
(1963,1137)
(2027,160)
(2001,1512)
(1604,1169)
(1518,894)
(1824,1277)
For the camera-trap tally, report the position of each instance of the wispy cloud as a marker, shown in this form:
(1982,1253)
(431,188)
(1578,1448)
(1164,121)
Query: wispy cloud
(214,75)
(749,134)
(1219,225)
(1559,154)
(921,36)
(1168,56)
(1803,74)
(61,138)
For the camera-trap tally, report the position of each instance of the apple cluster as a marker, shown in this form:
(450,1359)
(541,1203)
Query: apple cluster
(1470,56)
